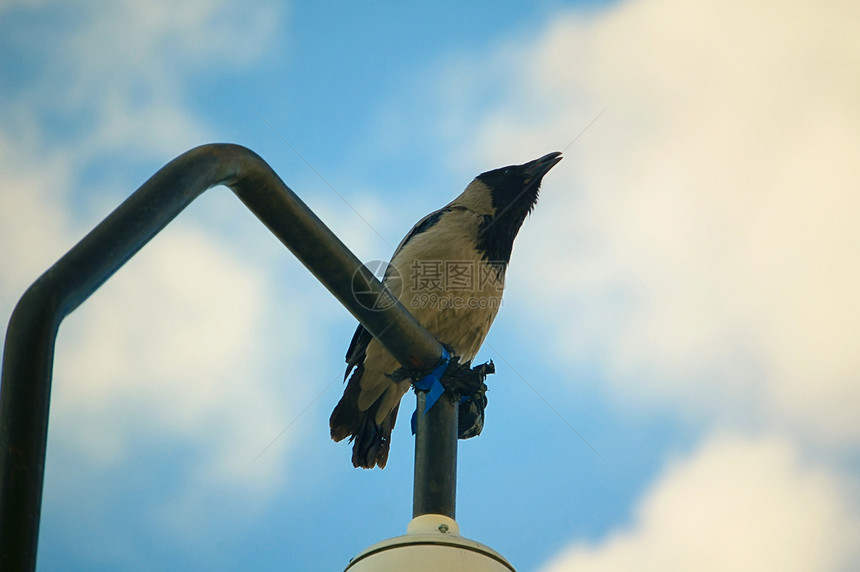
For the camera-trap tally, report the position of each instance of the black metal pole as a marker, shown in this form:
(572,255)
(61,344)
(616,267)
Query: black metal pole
(435,484)
(28,354)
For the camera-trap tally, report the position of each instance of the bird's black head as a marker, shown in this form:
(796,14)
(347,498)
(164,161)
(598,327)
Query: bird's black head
(514,192)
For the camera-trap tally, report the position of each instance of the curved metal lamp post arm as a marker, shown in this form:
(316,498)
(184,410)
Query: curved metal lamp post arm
(29,350)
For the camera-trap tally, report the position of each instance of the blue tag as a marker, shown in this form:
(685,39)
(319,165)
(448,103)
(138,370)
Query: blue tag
(432,384)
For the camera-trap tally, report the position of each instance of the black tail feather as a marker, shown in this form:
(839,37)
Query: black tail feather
(370,440)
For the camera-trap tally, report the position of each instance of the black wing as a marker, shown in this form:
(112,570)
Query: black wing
(357,349)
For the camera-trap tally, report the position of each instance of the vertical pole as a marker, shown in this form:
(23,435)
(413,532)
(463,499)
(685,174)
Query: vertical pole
(24,401)
(435,487)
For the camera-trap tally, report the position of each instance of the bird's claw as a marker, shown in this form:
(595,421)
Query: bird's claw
(467,383)
(464,383)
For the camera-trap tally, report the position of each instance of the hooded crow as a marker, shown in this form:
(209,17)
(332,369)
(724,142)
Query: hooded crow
(449,271)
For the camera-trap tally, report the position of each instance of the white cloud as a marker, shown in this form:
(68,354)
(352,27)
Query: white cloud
(700,240)
(33,227)
(156,50)
(186,346)
(117,73)
(174,347)
(188,351)
(733,505)
(175,352)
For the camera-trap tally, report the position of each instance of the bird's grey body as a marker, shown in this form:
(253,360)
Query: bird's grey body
(449,272)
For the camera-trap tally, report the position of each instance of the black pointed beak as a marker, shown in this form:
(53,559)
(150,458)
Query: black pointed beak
(535,170)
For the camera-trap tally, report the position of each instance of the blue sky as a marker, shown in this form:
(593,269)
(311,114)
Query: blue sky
(683,299)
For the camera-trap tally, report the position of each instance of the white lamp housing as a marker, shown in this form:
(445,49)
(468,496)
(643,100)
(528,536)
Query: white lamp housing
(432,542)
